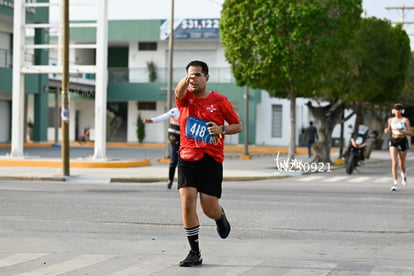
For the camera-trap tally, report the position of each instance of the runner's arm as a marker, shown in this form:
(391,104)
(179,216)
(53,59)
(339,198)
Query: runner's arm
(165,116)
(408,125)
(388,129)
(181,88)
(233,128)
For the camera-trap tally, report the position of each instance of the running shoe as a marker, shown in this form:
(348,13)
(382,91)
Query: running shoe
(394,188)
(404,180)
(193,258)
(223,226)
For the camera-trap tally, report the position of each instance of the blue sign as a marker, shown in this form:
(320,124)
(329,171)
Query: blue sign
(207,28)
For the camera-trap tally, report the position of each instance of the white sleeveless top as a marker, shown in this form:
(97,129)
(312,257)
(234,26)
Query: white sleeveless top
(396,126)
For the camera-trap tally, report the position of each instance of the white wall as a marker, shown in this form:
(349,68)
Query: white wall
(86,119)
(264,123)
(138,62)
(209,51)
(347,131)
(264,117)
(86,110)
(154,133)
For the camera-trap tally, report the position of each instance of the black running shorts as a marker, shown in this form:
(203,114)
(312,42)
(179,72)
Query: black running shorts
(206,175)
(400,143)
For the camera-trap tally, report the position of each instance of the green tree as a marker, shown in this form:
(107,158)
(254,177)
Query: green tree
(384,66)
(382,71)
(328,116)
(373,75)
(280,46)
(140,129)
(152,71)
(407,96)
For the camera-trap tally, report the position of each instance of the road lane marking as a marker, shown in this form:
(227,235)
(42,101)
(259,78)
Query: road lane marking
(359,179)
(20,258)
(70,265)
(312,269)
(334,179)
(309,178)
(383,179)
(145,267)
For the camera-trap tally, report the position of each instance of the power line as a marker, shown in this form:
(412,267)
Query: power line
(215,2)
(404,10)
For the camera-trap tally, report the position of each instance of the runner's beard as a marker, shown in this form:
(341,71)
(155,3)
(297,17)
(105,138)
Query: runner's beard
(196,90)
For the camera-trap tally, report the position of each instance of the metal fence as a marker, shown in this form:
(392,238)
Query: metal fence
(5,58)
(134,74)
(220,75)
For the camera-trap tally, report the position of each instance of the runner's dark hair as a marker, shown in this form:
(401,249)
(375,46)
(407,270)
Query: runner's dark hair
(202,64)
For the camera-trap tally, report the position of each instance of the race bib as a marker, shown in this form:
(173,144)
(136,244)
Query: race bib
(197,129)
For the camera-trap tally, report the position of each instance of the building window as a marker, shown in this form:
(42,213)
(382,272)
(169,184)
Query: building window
(54,117)
(147,105)
(5,49)
(147,46)
(277,120)
(3,58)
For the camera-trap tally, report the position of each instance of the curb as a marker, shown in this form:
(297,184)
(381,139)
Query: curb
(51,163)
(35,178)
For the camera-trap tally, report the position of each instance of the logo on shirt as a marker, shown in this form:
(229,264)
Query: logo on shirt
(211,108)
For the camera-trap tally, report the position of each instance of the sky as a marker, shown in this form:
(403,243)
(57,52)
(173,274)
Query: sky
(161,9)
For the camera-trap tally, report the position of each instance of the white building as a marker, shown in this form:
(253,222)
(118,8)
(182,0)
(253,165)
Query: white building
(133,45)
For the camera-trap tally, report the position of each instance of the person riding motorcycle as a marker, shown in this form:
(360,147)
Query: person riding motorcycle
(356,149)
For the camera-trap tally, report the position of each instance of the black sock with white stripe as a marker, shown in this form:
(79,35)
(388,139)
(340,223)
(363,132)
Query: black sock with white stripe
(192,236)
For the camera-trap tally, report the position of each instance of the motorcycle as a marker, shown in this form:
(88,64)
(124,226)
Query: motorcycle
(355,154)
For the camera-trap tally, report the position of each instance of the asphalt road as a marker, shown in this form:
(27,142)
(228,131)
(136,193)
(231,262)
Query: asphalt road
(318,224)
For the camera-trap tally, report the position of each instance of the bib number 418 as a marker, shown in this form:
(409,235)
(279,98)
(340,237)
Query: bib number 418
(197,129)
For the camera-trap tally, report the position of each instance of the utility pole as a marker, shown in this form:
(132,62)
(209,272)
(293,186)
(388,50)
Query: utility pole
(404,10)
(65,88)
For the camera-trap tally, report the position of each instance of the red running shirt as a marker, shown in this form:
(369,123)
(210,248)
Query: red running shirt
(195,112)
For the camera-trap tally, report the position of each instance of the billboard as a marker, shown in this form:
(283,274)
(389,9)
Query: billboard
(192,28)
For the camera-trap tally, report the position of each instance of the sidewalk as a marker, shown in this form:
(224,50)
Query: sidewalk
(260,166)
